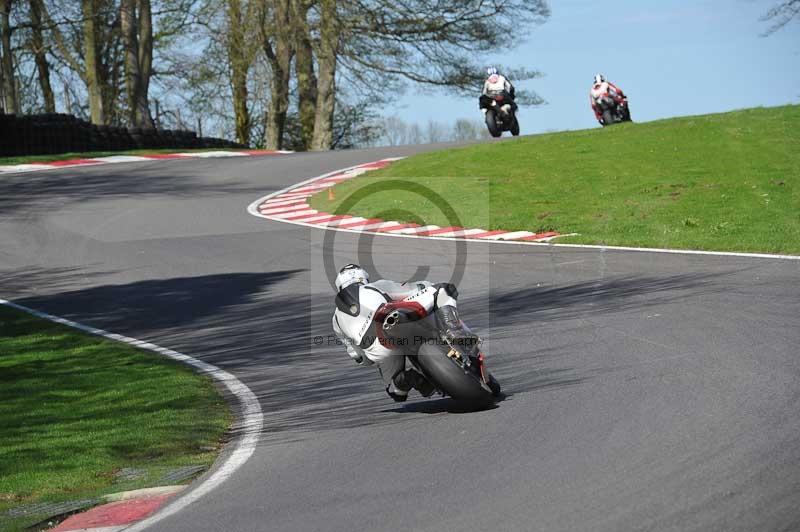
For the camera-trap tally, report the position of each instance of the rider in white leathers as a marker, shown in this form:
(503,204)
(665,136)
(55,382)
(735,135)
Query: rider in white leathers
(496,83)
(358,312)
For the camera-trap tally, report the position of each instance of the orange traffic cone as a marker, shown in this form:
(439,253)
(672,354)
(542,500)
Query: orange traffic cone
(331,195)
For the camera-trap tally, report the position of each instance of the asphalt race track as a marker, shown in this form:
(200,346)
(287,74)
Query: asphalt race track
(645,391)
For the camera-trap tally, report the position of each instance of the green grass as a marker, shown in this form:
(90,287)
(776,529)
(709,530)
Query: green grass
(75,409)
(727,182)
(29,159)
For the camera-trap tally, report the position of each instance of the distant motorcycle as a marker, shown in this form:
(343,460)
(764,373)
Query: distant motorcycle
(613,112)
(500,113)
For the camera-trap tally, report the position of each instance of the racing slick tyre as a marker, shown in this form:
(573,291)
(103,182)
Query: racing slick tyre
(449,377)
(515,127)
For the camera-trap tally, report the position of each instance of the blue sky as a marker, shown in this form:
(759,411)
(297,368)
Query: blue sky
(672,57)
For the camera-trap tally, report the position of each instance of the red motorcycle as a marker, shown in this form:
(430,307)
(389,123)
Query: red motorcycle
(613,110)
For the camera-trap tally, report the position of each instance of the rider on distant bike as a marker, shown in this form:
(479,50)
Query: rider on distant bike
(496,84)
(358,318)
(601,87)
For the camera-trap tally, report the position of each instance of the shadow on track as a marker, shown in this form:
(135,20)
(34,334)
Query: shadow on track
(159,304)
(523,365)
(258,326)
(440,406)
(53,188)
(614,294)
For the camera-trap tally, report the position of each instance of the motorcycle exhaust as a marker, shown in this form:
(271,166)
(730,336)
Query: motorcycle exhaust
(391,320)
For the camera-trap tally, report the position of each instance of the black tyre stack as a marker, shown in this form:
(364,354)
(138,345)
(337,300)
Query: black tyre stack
(52,133)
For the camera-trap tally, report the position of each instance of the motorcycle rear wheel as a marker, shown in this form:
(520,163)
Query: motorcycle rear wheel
(449,377)
(515,127)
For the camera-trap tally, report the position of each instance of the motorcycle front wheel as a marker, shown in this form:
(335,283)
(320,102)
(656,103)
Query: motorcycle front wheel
(608,117)
(491,124)
(515,127)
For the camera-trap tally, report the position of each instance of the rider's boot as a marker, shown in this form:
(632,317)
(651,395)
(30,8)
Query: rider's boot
(405,381)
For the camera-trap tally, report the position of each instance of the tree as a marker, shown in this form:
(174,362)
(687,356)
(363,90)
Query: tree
(430,42)
(415,134)
(241,48)
(39,50)
(435,132)
(781,15)
(436,42)
(465,130)
(93,72)
(11,103)
(86,40)
(327,56)
(304,70)
(137,36)
(277,41)
(266,71)
(395,131)
(355,126)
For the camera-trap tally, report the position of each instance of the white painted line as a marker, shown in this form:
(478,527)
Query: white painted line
(314,188)
(296,213)
(509,236)
(210,154)
(281,202)
(412,230)
(251,420)
(551,238)
(279,210)
(143,492)
(101,529)
(36,167)
(24,168)
(348,220)
(463,232)
(376,225)
(323,217)
(295,196)
(122,159)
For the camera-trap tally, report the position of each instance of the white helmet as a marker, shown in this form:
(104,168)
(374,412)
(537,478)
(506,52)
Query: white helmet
(352,273)
(491,71)
(599,78)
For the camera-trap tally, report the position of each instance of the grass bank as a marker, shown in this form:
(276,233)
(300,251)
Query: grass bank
(726,182)
(76,409)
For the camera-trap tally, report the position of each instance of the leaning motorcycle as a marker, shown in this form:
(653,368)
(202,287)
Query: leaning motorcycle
(612,111)
(455,370)
(500,113)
